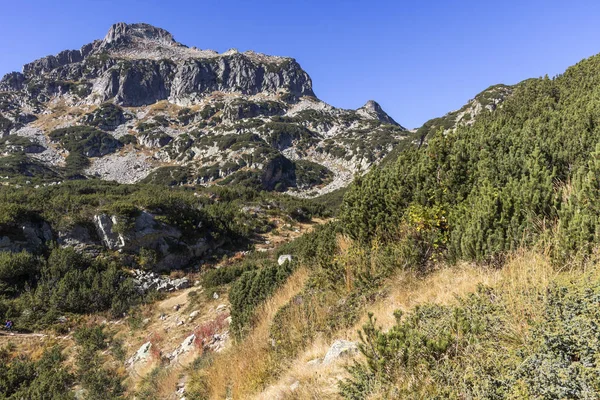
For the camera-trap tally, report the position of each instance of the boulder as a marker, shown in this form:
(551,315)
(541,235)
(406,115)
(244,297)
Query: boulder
(141,355)
(284,258)
(339,349)
(184,347)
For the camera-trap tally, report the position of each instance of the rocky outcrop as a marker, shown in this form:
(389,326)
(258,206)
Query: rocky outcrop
(82,238)
(31,236)
(13,81)
(122,34)
(145,233)
(105,226)
(140,356)
(145,281)
(184,347)
(278,170)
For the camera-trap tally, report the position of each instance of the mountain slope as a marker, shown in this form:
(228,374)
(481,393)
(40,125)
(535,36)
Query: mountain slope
(182,115)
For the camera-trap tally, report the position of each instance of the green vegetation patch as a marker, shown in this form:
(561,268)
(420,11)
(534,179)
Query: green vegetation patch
(107,116)
(86,140)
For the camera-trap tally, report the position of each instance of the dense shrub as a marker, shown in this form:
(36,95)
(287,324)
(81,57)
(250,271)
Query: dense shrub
(467,351)
(86,140)
(46,378)
(17,270)
(250,290)
(107,116)
(500,180)
(98,380)
(226,275)
(65,282)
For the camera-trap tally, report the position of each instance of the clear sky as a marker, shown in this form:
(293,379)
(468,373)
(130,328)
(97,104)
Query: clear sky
(419,59)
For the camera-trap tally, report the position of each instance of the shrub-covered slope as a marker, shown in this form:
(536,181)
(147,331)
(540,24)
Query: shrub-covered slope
(489,187)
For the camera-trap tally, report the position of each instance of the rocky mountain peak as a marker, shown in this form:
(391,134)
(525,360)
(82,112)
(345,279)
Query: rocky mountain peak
(122,33)
(145,107)
(372,109)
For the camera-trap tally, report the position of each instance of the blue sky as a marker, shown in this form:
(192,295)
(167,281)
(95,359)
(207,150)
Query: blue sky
(418,59)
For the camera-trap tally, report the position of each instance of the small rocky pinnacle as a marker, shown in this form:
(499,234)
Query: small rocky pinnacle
(123,33)
(373,109)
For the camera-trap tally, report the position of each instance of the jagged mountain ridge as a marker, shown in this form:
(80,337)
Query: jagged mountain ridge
(185,115)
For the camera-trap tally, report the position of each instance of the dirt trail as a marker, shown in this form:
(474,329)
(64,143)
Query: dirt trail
(21,335)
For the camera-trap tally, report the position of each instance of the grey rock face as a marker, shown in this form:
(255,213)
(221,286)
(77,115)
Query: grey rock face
(31,236)
(149,234)
(239,73)
(105,226)
(139,64)
(141,83)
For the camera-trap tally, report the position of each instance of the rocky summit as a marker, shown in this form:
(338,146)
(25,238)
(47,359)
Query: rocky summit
(139,106)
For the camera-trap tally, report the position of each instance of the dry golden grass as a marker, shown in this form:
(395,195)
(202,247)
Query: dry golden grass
(407,289)
(313,382)
(60,113)
(245,367)
(522,282)
(168,383)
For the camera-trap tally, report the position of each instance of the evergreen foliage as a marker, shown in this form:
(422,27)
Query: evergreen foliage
(465,350)
(500,181)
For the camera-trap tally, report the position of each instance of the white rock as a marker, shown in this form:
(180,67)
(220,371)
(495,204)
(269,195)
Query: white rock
(184,347)
(284,258)
(141,355)
(340,348)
